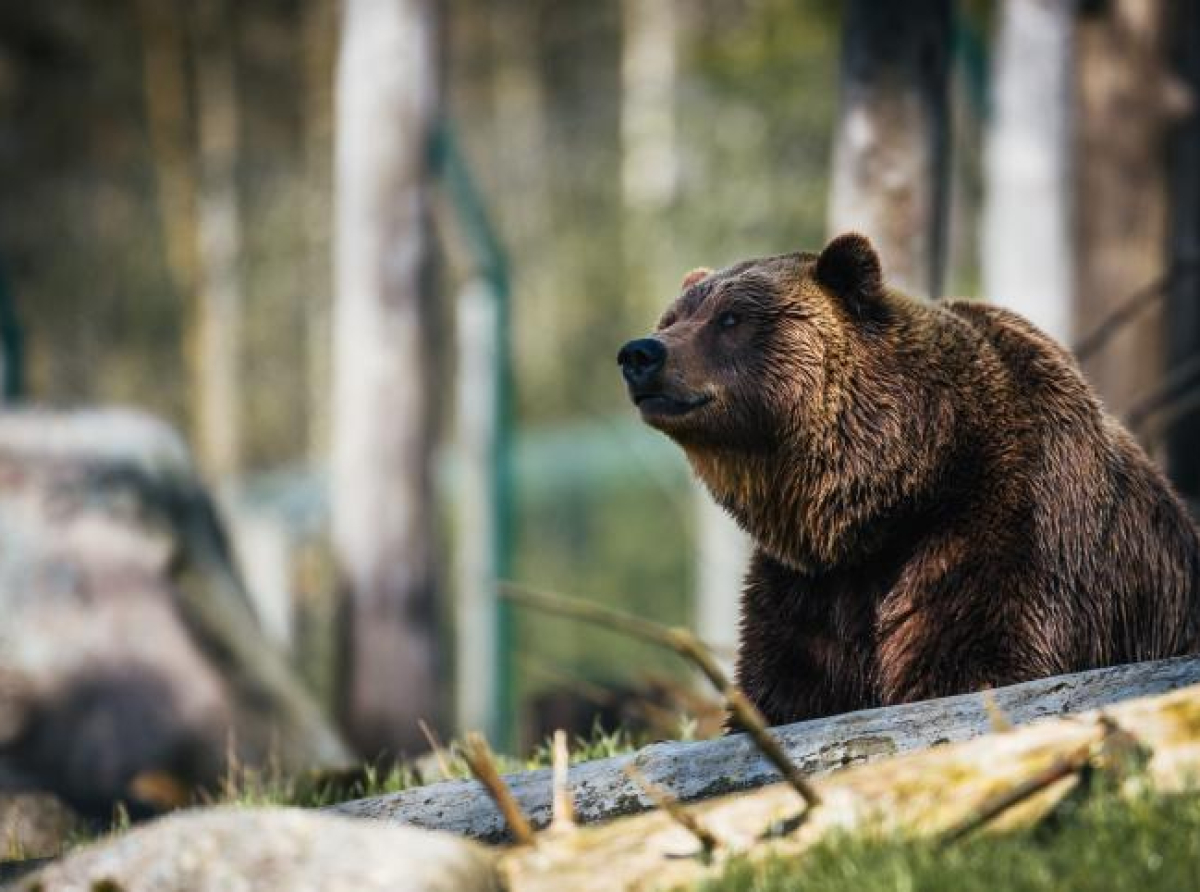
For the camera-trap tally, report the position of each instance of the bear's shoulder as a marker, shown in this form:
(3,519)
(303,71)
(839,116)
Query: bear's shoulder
(1035,363)
(1006,328)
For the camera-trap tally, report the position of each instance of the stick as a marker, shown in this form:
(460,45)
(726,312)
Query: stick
(439,754)
(1064,766)
(680,815)
(996,717)
(563,807)
(690,648)
(478,756)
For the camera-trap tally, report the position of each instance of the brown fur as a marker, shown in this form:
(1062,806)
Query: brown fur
(938,501)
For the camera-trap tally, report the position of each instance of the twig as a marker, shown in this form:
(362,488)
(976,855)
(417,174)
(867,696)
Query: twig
(998,721)
(1173,413)
(1002,802)
(1168,391)
(690,648)
(478,756)
(1132,306)
(1062,767)
(672,806)
(1115,321)
(439,752)
(563,806)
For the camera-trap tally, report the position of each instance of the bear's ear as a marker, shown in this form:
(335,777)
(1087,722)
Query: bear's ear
(850,269)
(696,275)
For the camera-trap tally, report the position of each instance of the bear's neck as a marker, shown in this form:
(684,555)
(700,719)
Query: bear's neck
(775,507)
(812,529)
(835,503)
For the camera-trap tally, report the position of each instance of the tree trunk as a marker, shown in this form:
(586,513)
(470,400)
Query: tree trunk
(478,696)
(320,20)
(1128,97)
(11,359)
(219,305)
(649,156)
(1183,335)
(165,87)
(382,494)
(889,160)
(1027,257)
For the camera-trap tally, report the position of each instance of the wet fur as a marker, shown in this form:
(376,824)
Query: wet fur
(938,501)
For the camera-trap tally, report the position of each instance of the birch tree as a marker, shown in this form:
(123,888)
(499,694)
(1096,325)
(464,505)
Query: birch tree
(1027,254)
(388,93)
(889,163)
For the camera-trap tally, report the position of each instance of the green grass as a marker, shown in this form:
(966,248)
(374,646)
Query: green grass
(1146,844)
(259,787)
(263,787)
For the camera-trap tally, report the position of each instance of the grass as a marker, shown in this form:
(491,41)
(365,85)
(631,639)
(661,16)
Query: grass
(259,787)
(1146,844)
(1103,842)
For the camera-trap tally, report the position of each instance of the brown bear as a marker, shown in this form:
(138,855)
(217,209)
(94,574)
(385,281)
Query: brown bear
(939,503)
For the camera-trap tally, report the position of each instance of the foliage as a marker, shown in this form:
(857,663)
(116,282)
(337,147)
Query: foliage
(1149,843)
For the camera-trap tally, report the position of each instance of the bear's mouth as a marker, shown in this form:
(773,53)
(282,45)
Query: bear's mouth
(664,405)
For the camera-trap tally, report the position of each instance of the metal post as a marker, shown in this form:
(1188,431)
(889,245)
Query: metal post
(12,366)
(486,697)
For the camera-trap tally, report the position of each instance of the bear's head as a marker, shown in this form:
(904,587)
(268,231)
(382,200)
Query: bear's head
(772,376)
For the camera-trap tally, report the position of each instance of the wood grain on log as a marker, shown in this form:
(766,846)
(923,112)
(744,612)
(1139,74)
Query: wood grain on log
(708,768)
(935,793)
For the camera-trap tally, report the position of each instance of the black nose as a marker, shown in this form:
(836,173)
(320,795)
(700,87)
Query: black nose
(641,360)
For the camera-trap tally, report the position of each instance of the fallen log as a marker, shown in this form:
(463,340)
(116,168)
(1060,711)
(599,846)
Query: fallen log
(1000,781)
(700,770)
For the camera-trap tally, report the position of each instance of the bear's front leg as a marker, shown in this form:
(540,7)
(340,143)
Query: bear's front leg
(955,627)
(806,645)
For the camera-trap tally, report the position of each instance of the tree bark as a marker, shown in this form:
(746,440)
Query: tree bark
(1027,258)
(382,494)
(319,48)
(168,118)
(649,69)
(218,227)
(890,144)
(1183,335)
(1128,97)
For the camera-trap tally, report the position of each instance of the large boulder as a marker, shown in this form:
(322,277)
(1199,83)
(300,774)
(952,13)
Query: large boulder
(246,850)
(131,662)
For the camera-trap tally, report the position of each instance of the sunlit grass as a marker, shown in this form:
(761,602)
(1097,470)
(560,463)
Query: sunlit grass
(261,787)
(1146,844)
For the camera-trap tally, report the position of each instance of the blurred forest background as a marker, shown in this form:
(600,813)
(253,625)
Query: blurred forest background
(196,194)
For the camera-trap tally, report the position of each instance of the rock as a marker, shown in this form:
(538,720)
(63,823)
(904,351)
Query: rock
(243,850)
(131,662)
(34,825)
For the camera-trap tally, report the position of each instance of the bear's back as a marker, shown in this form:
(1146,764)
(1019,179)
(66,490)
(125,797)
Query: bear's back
(1109,532)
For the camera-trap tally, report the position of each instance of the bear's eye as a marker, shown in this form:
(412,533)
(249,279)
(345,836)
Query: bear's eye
(728,319)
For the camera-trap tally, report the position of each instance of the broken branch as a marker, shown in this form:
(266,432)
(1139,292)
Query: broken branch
(680,815)
(479,759)
(688,646)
